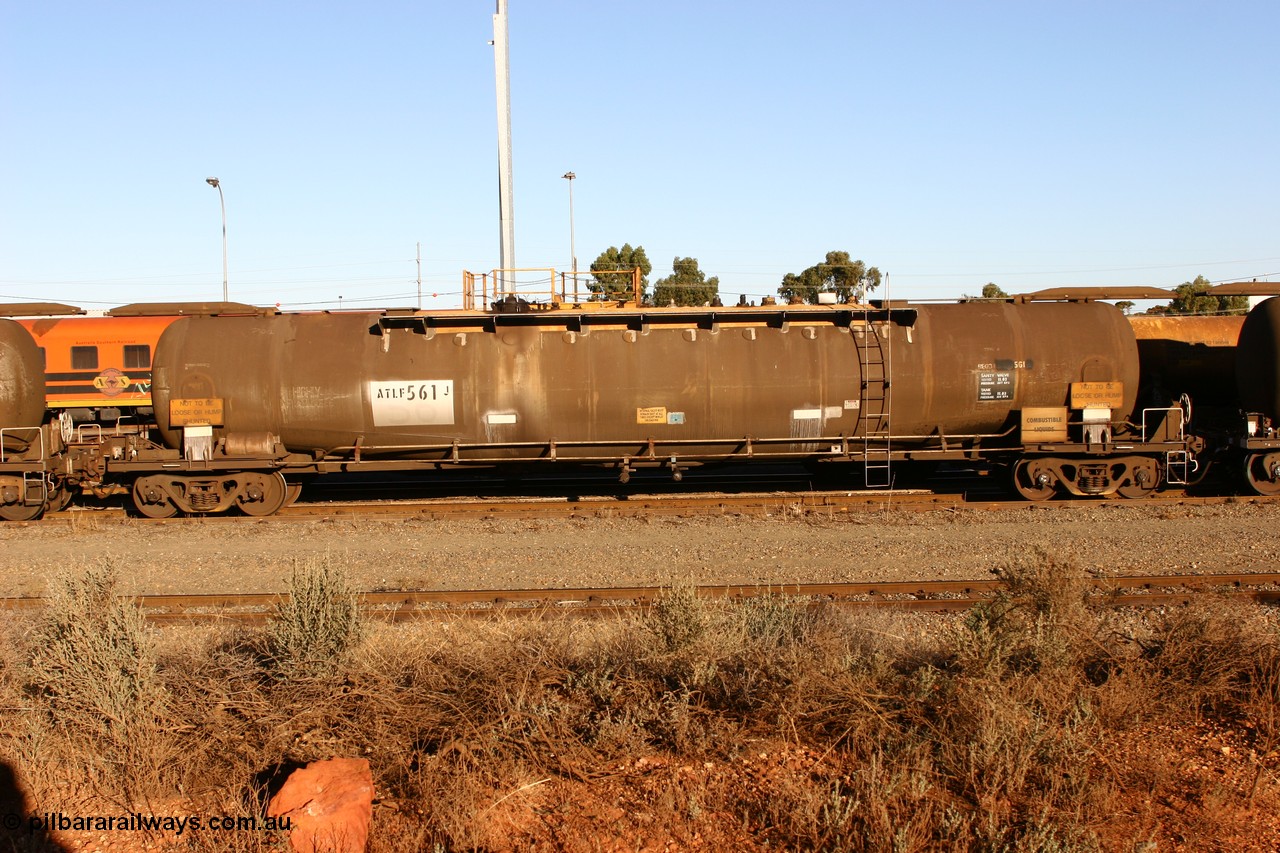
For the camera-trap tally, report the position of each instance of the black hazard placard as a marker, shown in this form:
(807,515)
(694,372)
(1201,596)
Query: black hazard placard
(996,385)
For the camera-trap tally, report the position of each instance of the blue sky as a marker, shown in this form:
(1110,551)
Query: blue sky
(1032,144)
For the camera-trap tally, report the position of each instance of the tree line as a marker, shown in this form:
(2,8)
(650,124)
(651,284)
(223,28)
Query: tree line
(1193,297)
(838,273)
(848,280)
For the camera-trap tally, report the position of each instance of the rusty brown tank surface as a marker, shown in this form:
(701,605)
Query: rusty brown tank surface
(794,378)
(1187,354)
(1258,360)
(21,384)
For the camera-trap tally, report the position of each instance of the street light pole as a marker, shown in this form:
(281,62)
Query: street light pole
(217,185)
(573,254)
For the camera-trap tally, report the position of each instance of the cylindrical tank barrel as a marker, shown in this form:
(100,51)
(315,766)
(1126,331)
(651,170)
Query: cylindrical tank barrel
(1187,354)
(22,386)
(972,367)
(1258,360)
(325,382)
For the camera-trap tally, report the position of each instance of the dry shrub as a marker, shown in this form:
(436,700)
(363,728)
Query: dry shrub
(1130,694)
(92,671)
(678,618)
(1260,697)
(1008,713)
(13,672)
(1049,585)
(221,698)
(720,666)
(1040,620)
(498,708)
(884,801)
(92,661)
(1017,750)
(772,621)
(317,625)
(1206,658)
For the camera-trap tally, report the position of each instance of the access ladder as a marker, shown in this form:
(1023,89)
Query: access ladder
(875,365)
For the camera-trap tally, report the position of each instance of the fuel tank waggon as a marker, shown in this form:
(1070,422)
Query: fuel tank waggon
(1258,383)
(22,386)
(1187,354)
(1258,360)
(701,382)
(23,493)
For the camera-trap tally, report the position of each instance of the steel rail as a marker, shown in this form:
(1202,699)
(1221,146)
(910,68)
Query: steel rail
(822,502)
(935,596)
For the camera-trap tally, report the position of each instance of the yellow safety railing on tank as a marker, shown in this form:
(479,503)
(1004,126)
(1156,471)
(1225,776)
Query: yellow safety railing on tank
(479,290)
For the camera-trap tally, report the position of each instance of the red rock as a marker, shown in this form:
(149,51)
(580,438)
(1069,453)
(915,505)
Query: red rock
(329,805)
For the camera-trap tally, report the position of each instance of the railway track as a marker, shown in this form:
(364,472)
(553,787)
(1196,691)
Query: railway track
(762,503)
(930,596)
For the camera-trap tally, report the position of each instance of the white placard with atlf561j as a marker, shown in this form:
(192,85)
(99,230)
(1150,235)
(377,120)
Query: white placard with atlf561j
(412,402)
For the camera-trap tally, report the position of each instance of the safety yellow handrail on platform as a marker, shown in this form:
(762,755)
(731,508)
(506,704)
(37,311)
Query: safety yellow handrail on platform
(481,289)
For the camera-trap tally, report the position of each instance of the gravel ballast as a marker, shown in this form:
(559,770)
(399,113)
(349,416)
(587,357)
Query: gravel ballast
(246,556)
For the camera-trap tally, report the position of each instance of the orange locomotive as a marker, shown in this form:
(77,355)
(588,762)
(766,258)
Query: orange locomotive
(98,369)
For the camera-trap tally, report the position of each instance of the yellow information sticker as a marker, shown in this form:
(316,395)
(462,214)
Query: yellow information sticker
(651,415)
(195,411)
(1097,395)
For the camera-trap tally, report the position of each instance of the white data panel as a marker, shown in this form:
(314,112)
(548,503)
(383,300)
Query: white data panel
(412,402)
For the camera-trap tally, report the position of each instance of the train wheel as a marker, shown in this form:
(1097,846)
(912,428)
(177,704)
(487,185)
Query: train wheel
(151,500)
(1262,471)
(293,491)
(1034,480)
(21,512)
(1144,481)
(264,494)
(59,499)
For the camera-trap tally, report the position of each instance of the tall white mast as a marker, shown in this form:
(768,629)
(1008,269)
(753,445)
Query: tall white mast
(506,214)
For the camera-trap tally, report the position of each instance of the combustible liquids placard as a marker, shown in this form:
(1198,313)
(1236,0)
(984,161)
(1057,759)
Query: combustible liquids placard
(195,411)
(1044,424)
(412,402)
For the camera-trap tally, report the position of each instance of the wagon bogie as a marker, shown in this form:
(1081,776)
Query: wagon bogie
(194,493)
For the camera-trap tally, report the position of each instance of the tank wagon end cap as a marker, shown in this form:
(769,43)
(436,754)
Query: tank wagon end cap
(1247,288)
(182,309)
(1086,294)
(38,309)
